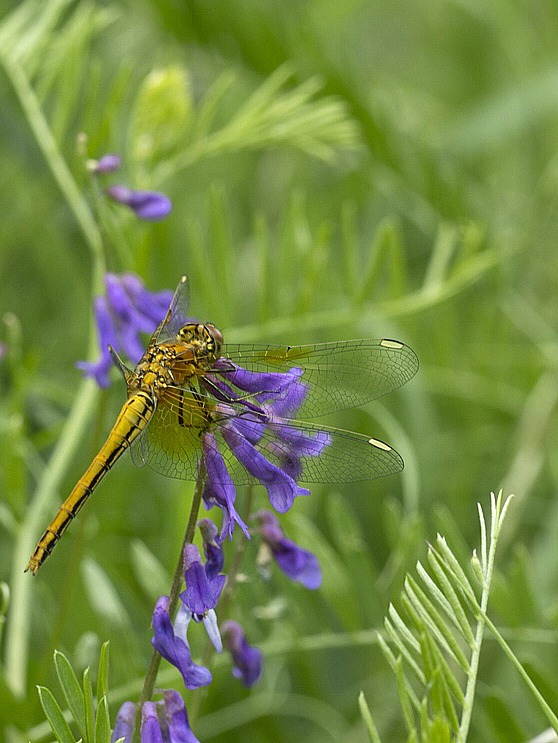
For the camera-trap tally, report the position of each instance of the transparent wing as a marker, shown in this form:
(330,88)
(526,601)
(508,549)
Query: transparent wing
(337,375)
(171,445)
(171,442)
(177,314)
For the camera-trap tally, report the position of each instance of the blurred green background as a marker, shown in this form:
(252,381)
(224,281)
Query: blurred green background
(395,176)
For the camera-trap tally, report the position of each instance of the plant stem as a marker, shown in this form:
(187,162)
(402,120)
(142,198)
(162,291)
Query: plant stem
(151,675)
(487,569)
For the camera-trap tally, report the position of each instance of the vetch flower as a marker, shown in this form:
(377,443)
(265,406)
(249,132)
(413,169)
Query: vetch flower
(151,206)
(219,489)
(268,448)
(214,555)
(178,725)
(106,164)
(160,722)
(297,563)
(172,643)
(150,731)
(203,589)
(246,658)
(281,488)
(125,722)
(127,310)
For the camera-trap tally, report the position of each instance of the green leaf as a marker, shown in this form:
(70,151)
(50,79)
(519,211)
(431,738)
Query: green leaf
(54,715)
(405,698)
(102,722)
(89,707)
(367,719)
(435,623)
(71,690)
(103,671)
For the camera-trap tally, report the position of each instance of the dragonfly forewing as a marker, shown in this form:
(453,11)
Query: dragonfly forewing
(338,375)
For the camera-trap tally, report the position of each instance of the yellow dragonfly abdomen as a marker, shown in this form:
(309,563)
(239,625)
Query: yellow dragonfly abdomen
(133,418)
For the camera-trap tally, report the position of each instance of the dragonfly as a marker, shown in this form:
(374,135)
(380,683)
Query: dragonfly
(191,393)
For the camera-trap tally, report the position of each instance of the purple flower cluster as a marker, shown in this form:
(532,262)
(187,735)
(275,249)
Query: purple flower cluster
(127,310)
(204,585)
(161,722)
(267,398)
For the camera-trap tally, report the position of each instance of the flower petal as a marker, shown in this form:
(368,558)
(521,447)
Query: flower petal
(246,658)
(151,206)
(297,563)
(175,649)
(201,593)
(281,488)
(177,718)
(150,731)
(106,164)
(219,488)
(125,722)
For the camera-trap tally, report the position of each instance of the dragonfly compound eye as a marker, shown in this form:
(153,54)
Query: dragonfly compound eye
(215,334)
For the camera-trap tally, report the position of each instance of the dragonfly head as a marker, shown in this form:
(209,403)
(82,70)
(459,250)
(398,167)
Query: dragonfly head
(206,338)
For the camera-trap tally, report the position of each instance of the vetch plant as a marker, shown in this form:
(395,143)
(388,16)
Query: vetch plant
(434,645)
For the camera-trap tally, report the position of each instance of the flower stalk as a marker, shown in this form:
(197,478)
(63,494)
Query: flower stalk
(151,675)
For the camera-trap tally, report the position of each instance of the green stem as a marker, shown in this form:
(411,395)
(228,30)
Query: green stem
(151,675)
(46,496)
(551,716)
(487,571)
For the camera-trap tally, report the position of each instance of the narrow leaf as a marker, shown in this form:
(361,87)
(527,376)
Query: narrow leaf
(456,613)
(89,707)
(102,673)
(404,698)
(54,715)
(367,719)
(396,639)
(435,622)
(102,722)
(71,690)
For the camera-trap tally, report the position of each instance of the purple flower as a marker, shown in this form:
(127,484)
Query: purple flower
(161,722)
(203,589)
(172,643)
(219,488)
(106,164)
(127,310)
(247,659)
(262,442)
(298,564)
(214,555)
(125,722)
(151,206)
(281,488)
(177,719)
(150,731)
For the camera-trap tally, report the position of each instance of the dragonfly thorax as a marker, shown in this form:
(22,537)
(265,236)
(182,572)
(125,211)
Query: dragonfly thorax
(173,363)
